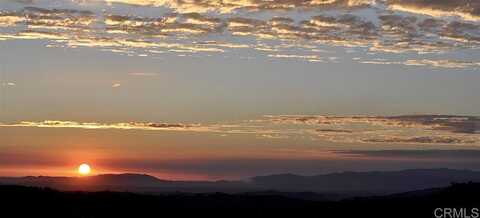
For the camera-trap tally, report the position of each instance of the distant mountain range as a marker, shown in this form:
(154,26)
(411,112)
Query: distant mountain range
(328,186)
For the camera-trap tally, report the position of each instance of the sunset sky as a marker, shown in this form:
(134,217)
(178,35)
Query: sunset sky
(228,89)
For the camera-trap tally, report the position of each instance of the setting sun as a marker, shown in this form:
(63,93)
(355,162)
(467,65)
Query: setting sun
(84,169)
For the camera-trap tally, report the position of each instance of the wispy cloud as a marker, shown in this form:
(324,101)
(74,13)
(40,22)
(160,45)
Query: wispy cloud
(444,63)
(230,6)
(8,84)
(457,155)
(143,74)
(433,63)
(96,125)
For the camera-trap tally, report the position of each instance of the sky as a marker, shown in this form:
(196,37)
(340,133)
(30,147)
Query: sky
(212,89)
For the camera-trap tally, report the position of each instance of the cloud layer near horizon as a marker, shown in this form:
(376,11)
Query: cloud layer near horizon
(304,30)
(408,129)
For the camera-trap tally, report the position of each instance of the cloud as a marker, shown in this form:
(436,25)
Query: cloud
(275,30)
(311,58)
(96,125)
(8,84)
(465,9)
(457,155)
(22,1)
(444,63)
(334,131)
(143,74)
(231,6)
(452,123)
(408,129)
(421,140)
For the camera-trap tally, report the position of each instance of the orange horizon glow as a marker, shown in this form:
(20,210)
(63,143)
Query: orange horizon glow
(53,171)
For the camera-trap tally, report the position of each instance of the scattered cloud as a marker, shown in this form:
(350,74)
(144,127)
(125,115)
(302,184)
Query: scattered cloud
(277,29)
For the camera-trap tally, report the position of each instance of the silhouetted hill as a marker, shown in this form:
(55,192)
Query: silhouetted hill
(328,186)
(127,182)
(18,201)
(367,182)
(126,179)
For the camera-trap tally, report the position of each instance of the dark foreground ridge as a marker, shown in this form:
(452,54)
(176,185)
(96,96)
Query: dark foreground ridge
(20,201)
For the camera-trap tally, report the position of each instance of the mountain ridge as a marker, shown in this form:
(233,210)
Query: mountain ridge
(347,184)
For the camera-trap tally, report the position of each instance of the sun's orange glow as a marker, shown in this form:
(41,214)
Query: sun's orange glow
(84,169)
